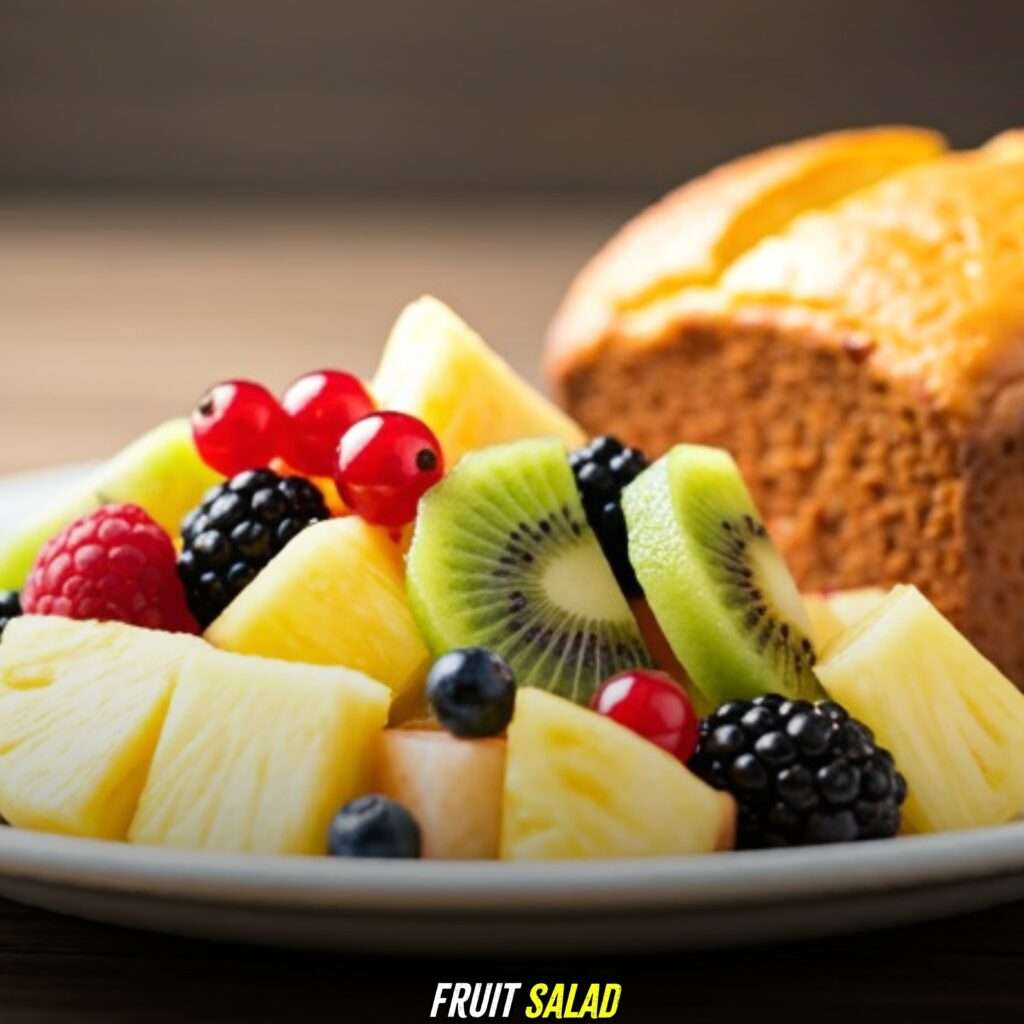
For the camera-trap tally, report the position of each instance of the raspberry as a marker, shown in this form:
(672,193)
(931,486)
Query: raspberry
(116,565)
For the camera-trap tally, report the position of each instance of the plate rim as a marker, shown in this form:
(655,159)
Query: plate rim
(680,883)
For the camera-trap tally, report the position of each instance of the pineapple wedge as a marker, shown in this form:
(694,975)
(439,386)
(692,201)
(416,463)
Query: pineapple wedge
(437,368)
(953,722)
(833,613)
(258,755)
(81,707)
(580,786)
(335,596)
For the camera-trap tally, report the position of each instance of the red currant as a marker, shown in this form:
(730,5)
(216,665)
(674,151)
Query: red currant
(386,462)
(654,706)
(238,425)
(321,407)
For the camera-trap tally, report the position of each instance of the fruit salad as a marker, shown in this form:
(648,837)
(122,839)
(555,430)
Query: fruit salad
(423,616)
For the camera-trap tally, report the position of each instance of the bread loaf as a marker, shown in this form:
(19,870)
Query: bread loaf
(846,315)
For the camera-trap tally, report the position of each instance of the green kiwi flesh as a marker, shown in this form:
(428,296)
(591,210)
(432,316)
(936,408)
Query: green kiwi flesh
(716,583)
(502,557)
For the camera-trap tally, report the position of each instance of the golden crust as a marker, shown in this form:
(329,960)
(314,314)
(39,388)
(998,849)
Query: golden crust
(928,264)
(695,232)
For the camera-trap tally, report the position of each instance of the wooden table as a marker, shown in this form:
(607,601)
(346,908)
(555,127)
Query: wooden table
(112,317)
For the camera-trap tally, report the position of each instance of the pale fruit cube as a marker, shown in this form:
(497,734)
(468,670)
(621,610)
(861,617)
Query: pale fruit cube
(258,755)
(81,708)
(452,787)
(437,368)
(953,722)
(335,596)
(833,612)
(161,472)
(579,785)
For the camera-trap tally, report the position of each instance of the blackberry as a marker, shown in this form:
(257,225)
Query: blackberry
(10,608)
(237,530)
(602,470)
(801,773)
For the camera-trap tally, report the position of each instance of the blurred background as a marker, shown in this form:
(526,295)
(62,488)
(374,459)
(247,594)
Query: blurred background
(199,189)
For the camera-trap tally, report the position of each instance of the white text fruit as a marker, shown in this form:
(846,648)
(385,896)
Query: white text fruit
(578,785)
(258,755)
(81,708)
(953,722)
(452,787)
(437,368)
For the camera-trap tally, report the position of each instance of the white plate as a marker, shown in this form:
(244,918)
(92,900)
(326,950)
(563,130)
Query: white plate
(425,907)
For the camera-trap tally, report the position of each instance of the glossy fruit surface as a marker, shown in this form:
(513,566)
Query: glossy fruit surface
(386,462)
(652,705)
(472,692)
(239,425)
(374,826)
(320,407)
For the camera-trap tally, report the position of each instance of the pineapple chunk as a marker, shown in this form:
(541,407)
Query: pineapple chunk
(451,786)
(834,612)
(81,708)
(439,369)
(953,722)
(335,596)
(258,755)
(579,785)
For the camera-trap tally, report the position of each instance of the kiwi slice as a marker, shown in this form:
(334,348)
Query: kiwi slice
(502,557)
(716,583)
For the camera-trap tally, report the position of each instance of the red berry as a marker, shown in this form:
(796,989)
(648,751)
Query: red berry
(116,565)
(321,407)
(238,425)
(654,706)
(386,462)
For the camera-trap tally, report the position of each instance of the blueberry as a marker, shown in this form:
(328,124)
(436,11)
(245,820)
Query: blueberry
(374,826)
(472,691)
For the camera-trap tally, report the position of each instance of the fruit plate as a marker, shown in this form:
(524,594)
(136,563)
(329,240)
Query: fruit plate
(489,908)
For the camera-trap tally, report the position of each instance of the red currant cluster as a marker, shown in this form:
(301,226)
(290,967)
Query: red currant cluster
(325,425)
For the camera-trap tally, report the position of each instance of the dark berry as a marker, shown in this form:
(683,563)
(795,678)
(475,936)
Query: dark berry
(10,608)
(602,470)
(801,773)
(239,527)
(374,826)
(472,692)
